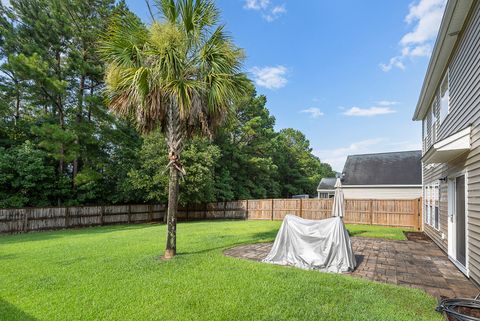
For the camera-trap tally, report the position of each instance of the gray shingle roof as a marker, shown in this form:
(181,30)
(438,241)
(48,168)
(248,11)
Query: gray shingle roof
(327,183)
(396,168)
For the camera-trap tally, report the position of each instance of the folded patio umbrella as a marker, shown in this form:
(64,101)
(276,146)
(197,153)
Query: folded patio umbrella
(338,203)
(322,245)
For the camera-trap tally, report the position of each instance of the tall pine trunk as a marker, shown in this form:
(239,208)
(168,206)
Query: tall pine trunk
(61,121)
(17,102)
(60,113)
(174,136)
(81,90)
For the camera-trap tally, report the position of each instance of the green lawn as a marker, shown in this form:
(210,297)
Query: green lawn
(113,273)
(391,233)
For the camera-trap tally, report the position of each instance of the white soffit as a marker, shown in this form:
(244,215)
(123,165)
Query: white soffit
(449,148)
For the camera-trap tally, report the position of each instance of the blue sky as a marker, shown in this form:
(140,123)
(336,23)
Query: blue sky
(345,73)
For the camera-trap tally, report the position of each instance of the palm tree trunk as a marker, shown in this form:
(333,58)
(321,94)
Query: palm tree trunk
(173,188)
(174,142)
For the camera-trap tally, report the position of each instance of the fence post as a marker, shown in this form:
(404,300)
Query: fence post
(416,215)
(246,212)
(25,220)
(102,212)
(67,217)
(129,213)
(420,213)
(301,208)
(150,213)
(224,209)
(272,208)
(371,212)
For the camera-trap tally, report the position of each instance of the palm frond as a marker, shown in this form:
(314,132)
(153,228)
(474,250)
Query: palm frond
(184,62)
(197,16)
(169,10)
(123,42)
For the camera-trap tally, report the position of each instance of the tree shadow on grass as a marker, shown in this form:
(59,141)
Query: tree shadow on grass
(261,237)
(7,256)
(270,235)
(58,234)
(10,312)
(181,253)
(356,233)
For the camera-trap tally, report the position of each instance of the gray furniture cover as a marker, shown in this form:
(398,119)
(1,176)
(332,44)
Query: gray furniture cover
(322,245)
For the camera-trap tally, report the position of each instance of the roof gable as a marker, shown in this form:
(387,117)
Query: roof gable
(396,168)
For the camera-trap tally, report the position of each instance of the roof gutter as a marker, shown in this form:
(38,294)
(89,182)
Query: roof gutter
(453,20)
(384,186)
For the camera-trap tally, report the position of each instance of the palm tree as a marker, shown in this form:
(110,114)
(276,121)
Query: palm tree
(181,74)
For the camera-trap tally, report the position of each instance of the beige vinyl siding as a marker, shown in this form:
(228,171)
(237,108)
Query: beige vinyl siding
(381,192)
(427,122)
(464,102)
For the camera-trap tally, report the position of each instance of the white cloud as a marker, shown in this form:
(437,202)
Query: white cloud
(425,16)
(372,111)
(256,4)
(417,51)
(394,62)
(269,11)
(270,77)
(279,9)
(405,145)
(428,16)
(313,111)
(336,157)
(387,103)
(275,13)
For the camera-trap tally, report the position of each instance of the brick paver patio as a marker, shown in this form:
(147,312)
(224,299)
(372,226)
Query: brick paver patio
(419,264)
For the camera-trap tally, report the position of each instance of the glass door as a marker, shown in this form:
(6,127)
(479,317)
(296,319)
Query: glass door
(460,237)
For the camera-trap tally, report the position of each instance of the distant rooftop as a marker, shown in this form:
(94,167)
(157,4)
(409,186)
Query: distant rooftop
(327,183)
(395,168)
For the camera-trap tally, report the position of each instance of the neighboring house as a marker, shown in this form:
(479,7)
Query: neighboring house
(301,196)
(395,175)
(326,187)
(449,108)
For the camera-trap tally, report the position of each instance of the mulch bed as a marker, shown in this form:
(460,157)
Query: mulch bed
(416,236)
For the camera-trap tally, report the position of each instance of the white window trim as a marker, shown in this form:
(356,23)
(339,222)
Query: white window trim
(433,126)
(447,78)
(431,204)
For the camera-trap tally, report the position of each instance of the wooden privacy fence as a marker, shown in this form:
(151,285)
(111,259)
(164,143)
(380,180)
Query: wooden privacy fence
(18,220)
(399,213)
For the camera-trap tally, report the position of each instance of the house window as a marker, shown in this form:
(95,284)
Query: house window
(436,200)
(431,203)
(444,98)
(433,125)
(425,128)
(424,138)
(426,202)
